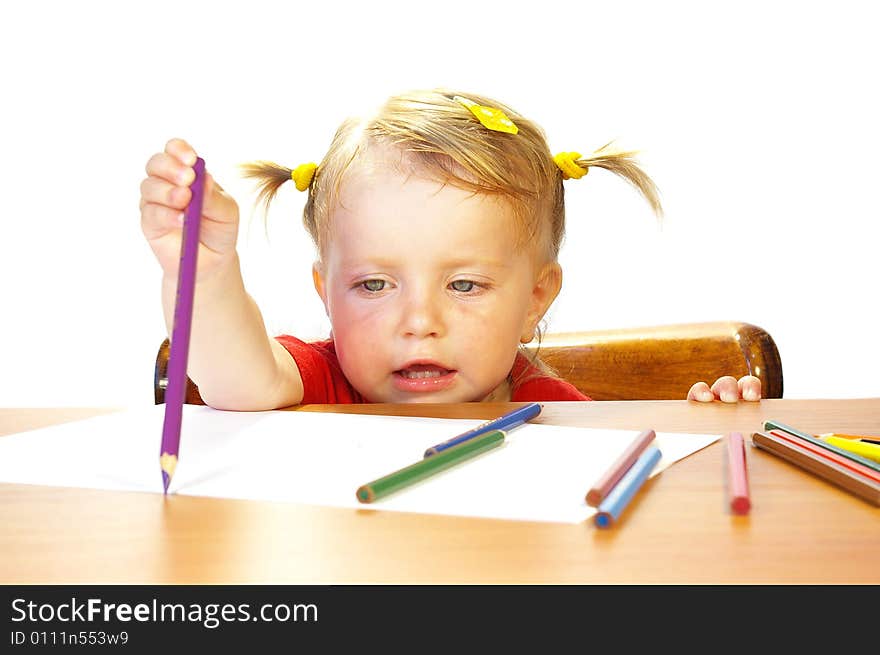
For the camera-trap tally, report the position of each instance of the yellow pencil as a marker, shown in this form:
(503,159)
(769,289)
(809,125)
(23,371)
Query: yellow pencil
(869,450)
(864,437)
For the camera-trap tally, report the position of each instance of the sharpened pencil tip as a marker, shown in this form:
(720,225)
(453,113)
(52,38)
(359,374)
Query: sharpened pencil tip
(166,481)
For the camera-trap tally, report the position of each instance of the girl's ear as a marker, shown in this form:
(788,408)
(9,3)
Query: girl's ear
(546,288)
(318,280)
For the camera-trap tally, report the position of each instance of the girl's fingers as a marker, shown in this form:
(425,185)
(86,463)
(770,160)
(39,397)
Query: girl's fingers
(182,151)
(700,392)
(169,176)
(726,389)
(749,387)
(157,191)
(166,192)
(170,168)
(218,205)
(157,220)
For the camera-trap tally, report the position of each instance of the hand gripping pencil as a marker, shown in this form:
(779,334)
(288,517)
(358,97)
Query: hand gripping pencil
(180,331)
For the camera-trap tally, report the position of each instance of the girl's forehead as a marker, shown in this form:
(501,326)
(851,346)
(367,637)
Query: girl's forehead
(397,212)
(383,184)
(409,200)
(384,179)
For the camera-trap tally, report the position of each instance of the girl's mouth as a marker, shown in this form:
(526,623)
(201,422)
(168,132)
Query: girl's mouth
(422,371)
(423,378)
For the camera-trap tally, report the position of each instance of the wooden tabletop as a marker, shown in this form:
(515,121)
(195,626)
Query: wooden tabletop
(677,530)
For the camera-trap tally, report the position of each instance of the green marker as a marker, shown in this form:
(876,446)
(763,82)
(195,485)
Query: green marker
(429,466)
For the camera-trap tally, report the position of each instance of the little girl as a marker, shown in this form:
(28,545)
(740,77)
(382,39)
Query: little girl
(437,223)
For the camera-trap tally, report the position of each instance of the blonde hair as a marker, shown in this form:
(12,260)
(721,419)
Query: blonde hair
(440,137)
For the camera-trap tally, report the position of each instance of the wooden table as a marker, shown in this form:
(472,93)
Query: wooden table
(676,531)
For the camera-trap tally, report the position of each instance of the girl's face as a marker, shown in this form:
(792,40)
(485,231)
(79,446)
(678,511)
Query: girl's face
(427,296)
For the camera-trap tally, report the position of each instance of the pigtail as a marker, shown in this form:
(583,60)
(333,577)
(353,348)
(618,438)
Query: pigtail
(623,164)
(269,177)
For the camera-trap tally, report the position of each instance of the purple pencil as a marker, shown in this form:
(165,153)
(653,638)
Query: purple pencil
(180,331)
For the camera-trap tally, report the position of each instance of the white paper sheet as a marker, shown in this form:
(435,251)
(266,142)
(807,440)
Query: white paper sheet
(540,473)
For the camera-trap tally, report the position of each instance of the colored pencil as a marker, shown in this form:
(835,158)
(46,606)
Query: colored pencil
(738,478)
(616,501)
(506,423)
(863,437)
(857,437)
(604,484)
(857,446)
(845,462)
(175,393)
(428,466)
(820,466)
(776,425)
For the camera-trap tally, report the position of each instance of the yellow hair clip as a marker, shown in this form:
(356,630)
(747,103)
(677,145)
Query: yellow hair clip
(567,163)
(302,175)
(490,117)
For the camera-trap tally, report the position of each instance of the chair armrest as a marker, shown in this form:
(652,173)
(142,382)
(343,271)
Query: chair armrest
(160,379)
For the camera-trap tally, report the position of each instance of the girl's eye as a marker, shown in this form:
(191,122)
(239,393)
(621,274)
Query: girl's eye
(373,285)
(463,286)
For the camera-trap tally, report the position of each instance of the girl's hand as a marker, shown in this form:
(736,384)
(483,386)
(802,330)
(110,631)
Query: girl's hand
(165,193)
(727,389)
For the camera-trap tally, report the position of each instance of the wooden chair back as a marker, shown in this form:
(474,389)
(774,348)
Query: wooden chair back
(643,363)
(662,362)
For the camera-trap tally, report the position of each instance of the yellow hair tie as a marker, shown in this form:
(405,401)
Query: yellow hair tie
(567,163)
(302,175)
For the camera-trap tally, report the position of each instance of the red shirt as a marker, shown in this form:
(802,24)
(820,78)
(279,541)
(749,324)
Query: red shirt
(324,382)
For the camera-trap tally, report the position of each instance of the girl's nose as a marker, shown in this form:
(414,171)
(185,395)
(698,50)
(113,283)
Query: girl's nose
(422,315)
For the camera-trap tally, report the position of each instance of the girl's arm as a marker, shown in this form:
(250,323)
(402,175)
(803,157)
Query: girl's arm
(232,359)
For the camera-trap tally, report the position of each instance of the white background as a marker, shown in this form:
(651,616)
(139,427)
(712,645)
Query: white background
(758,121)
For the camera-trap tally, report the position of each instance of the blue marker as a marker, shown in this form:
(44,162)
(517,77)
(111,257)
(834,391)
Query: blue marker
(505,423)
(615,502)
